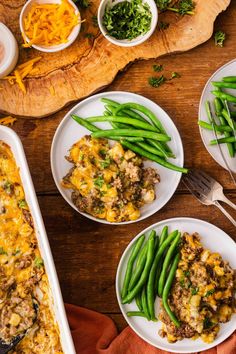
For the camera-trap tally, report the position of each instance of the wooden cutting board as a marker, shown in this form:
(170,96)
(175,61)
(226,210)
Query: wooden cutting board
(92,62)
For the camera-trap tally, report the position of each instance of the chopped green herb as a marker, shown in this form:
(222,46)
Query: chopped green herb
(187,273)
(219,38)
(22,204)
(89,35)
(16,252)
(175,75)
(83,3)
(209,292)
(95,21)
(102,152)
(127,19)
(194,291)
(2,251)
(105,163)
(99,181)
(99,210)
(156,81)
(207,323)
(81,156)
(182,283)
(8,187)
(185,7)
(38,262)
(157,67)
(163,25)
(163,4)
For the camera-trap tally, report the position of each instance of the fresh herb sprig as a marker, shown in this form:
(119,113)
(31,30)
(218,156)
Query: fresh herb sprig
(219,38)
(127,19)
(185,7)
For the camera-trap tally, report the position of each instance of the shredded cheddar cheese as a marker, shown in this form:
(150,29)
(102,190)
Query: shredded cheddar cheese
(21,72)
(8,120)
(49,24)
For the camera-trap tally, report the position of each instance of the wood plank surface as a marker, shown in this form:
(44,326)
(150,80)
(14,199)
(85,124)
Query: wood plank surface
(86,253)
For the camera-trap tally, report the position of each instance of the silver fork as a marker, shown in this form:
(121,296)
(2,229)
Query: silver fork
(208,191)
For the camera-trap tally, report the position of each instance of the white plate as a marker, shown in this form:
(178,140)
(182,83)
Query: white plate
(228,69)
(214,239)
(68,132)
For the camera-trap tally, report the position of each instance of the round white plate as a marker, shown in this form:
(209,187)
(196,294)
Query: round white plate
(69,132)
(212,238)
(228,69)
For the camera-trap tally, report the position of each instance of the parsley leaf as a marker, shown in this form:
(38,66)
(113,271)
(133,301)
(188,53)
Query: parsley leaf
(22,204)
(207,323)
(175,75)
(105,163)
(127,19)
(162,4)
(38,262)
(156,81)
(83,3)
(219,38)
(194,291)
(157,67)
(2,251)
(99,181)
(209,292)
(185,7)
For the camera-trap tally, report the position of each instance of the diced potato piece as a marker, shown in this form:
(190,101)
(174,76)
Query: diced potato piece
(15,319)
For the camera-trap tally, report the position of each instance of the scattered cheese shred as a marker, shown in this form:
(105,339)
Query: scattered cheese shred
(8,120)
(49,24)
(21,72)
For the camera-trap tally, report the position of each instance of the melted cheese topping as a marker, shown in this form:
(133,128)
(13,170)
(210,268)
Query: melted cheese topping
(22,274)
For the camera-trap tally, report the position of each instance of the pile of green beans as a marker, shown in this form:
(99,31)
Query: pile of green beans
(225,117)
(150,272)
(137,128)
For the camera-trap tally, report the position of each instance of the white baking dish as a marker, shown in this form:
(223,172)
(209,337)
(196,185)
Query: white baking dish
(11,138)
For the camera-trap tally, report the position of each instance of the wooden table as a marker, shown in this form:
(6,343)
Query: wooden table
(86,253)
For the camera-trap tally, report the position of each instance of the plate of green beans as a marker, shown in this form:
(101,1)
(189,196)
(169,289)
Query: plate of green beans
(217,115)
(138,124)
(147,270)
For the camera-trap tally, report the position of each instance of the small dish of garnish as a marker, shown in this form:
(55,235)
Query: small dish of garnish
(49,25)
(127,23)
(8,51)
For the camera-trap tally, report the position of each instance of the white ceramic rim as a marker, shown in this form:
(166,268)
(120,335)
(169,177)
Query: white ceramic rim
(11,51)
(12,139)
(201,103)
(56,48)
(135,41)
(53,152)
(119,268)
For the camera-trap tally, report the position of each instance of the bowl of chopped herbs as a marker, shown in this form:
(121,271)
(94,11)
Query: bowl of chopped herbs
(127,23)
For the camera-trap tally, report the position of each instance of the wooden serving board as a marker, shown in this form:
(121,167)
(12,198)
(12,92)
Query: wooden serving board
(92,62)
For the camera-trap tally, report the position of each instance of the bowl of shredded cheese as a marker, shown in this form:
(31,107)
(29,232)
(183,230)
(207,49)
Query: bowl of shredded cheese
(49,25)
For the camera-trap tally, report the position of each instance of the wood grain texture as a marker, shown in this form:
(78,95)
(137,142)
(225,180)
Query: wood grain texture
(88,66)
(86,254)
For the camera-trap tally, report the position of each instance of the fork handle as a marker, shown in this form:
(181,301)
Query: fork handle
(227,201)
(225,213)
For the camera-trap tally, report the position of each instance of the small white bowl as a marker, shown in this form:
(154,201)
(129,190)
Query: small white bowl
(125,42)
(11,51)
(54,48)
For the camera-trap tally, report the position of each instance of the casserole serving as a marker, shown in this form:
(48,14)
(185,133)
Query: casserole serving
(27,301)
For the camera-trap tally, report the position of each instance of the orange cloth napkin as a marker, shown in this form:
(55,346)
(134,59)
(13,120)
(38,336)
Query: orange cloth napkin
(94,333)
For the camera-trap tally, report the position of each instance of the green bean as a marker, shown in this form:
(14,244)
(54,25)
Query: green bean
(218,128)
(135,313)
(230,139)
(229,79)
(153,157)
(152,274)
(145,111)
(126,120)
(224,84)
(139,302)
(224,96)
(129,269)
(162,147)
(85,123)
(133,139)
(164,234)
(166,264)
(167,288)
(228,118)
(139,267)
(151,149)
(130,132)
(142,280)
(115,105)
(144,302)
(218,106)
